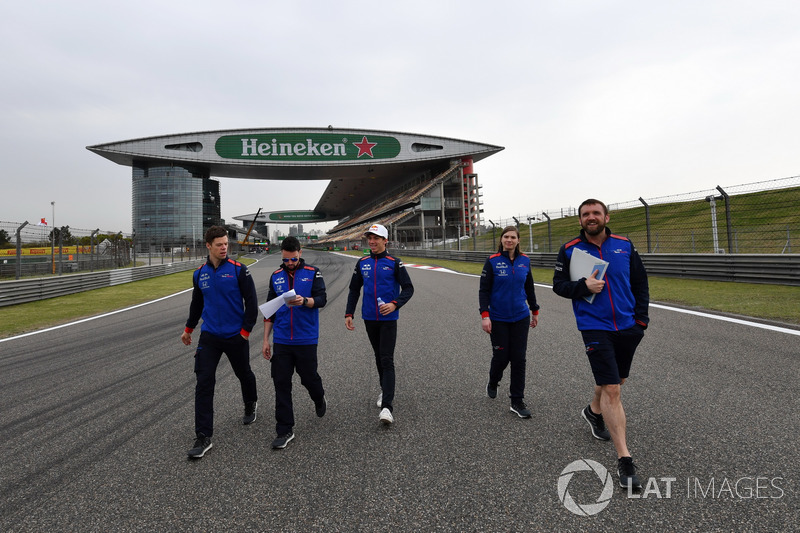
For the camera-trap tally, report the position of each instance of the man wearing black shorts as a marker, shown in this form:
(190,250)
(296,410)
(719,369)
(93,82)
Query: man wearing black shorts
(612,324)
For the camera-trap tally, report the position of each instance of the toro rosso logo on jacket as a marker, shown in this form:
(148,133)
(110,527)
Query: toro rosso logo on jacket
(226,275)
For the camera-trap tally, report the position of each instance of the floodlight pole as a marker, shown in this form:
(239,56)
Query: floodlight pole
(549,233)
(727,218)
(530,234)
(647,223)
(19,249)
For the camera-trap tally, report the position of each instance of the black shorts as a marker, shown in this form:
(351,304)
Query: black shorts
(611,353)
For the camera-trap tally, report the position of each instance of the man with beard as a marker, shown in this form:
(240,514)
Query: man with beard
(612,325)
(295,329)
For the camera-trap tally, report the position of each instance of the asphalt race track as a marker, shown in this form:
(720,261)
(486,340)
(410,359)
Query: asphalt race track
(97,418)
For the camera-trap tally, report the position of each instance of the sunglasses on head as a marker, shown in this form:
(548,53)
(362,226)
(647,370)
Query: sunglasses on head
(292,259)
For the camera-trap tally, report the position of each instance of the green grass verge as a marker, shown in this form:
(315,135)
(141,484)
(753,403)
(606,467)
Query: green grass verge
(770,302)
(22,318)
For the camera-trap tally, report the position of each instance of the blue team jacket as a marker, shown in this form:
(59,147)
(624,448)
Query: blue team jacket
(225,298)
(506,289)
(382,276)
(297,325)
(625,298)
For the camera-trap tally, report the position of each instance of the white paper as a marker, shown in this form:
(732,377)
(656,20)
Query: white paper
(582,264)
(271,307)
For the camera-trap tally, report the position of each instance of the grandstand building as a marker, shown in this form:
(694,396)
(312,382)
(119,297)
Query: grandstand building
(421,187)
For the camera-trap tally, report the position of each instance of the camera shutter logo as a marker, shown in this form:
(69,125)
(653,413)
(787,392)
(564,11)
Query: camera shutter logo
(603,475)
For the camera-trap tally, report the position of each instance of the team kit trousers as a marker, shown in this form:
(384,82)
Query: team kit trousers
(286,359)
(509,346)
(206,359)
(382,336)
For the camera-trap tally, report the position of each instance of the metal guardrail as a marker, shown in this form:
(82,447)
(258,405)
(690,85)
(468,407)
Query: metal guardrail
(778,269)
(30,290)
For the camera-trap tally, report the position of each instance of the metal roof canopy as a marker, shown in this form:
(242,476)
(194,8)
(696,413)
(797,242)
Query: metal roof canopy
(360,164)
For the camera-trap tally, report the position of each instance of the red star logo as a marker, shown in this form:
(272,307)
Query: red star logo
(365,147)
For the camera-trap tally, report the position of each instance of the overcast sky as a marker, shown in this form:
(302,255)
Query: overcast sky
(610,99)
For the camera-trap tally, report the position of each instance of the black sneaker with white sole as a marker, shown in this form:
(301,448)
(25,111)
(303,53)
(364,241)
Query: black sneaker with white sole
(282,440)
(250,409)
(520,409)
(626,471)
(596,424)
(201,445)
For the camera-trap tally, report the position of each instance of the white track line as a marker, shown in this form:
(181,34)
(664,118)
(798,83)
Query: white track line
(438,269)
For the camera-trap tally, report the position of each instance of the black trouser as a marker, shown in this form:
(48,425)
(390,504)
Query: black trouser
(383,337)
(209,351)
(510,345)
(285,360)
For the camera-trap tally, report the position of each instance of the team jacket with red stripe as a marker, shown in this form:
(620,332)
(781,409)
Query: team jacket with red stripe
(225,297)
(506,289)
(297,325)
(626,296)
(384,277)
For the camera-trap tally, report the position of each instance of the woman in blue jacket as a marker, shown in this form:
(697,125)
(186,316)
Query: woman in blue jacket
(507,306)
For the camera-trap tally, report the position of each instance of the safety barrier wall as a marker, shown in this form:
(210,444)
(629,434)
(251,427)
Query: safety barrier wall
(29,290)
(751,268)
(780,269)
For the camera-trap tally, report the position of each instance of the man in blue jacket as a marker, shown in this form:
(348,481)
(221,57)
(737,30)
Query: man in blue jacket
(224,296)
(387,287)
(295,330)
(612,325)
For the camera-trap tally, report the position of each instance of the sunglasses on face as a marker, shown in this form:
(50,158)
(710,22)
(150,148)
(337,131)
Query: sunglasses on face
(292,259)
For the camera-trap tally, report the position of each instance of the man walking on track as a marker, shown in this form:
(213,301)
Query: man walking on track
(224,296)
(387,287)
(295,329)
(611,313)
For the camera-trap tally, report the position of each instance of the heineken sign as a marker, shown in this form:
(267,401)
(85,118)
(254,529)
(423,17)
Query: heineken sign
(307,147)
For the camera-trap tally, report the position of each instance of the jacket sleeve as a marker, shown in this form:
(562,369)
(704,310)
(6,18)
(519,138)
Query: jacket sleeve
(318,291)
(248,290)
(530,293)
(485,288)
(640,289)
(196,307)
(562,285)
(356,282)
(406,287)
(271,295)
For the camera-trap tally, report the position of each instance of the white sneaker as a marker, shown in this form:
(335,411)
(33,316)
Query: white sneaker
(380,400)
(386,416)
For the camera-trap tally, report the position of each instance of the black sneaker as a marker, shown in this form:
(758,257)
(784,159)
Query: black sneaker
(596,423)
(521,409)
(249,413)
(282,440)
(201,445)
(321,407)
(491,390)
(627,474)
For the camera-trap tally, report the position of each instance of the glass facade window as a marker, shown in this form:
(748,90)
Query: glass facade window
(172,206)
